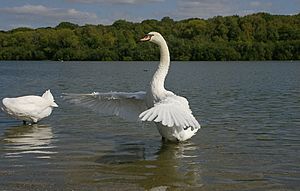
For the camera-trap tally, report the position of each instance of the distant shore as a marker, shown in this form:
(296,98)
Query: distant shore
(256,37)
(154,61)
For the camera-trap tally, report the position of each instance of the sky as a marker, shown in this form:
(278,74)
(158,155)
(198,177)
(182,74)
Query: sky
(45,13)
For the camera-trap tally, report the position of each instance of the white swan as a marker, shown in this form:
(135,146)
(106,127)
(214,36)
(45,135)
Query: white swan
(29,108)
(171,113)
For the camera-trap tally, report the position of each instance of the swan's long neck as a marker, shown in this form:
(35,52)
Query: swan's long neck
(158,80)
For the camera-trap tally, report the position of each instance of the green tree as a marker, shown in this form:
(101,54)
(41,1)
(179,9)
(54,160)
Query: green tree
(259,36)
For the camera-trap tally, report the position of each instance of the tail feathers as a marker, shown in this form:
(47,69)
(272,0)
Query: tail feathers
(48,96)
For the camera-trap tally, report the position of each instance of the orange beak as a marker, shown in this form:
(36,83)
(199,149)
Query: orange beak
(147,37)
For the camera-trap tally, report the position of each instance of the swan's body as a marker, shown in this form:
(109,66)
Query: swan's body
(29,108)
(170,112)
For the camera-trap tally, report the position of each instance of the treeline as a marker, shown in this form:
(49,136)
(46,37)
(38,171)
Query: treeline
(258,36)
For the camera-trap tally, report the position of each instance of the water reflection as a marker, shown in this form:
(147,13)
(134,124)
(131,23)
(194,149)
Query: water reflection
(170,166)
(29,139)
(124,153)
(174,168)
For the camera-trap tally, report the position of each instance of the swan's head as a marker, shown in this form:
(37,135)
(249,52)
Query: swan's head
(154,37)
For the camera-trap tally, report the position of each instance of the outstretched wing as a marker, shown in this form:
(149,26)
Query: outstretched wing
(172,111)
(125,105)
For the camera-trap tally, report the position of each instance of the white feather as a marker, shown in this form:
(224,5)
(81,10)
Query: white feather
(125,105)
(172,110)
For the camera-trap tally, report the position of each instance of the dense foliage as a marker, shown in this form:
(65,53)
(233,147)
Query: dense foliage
(254,37)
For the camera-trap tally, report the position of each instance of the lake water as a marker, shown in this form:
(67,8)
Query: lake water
(249,140)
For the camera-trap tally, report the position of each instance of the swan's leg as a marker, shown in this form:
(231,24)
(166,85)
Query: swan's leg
(24,122)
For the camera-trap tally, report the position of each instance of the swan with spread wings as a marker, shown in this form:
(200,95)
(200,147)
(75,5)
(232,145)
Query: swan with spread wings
(170,112)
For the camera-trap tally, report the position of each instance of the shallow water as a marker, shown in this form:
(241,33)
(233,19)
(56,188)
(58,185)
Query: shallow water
(249,140)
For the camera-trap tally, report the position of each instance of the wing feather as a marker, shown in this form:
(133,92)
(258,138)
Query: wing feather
(173,110)
(122,104)
(153,115)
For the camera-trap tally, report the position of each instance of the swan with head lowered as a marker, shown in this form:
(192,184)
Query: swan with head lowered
(170,112)
(29,108)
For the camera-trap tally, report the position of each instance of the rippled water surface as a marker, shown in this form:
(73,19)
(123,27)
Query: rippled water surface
(249,140)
